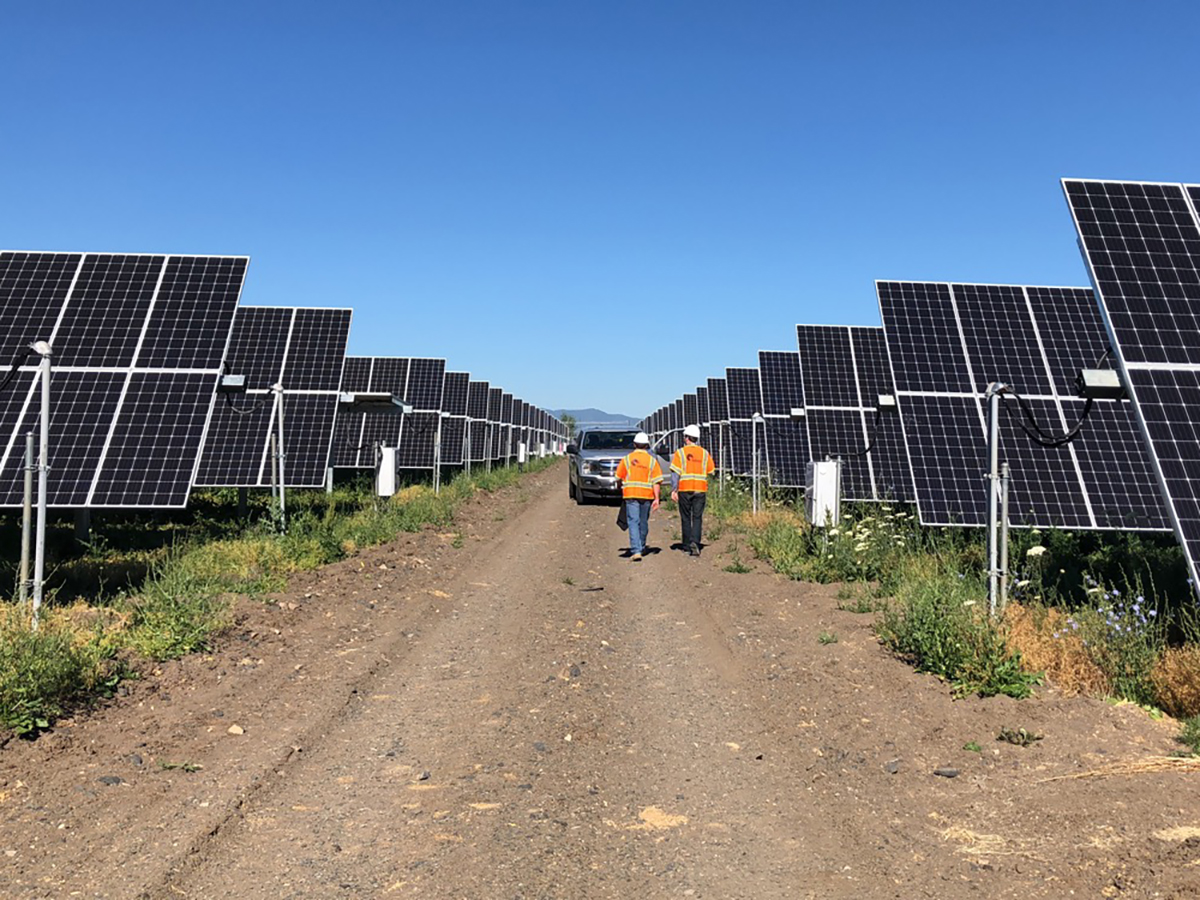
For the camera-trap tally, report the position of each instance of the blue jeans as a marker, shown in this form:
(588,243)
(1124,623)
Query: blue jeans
(638,514)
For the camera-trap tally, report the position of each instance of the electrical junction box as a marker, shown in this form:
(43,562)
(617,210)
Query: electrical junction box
(385,474)
(823,492)
(541,450)
(522,453)
(1100,384)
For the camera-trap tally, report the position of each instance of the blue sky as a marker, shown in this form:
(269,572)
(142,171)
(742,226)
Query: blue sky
(592,204)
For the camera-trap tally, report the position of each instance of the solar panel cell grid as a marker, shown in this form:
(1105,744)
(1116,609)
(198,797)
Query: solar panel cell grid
(718,403)
(454,398)
(827,366)
(919,322)
(743,392)
(477,399)
(189,326)
(33,287)
(317,349)
(104,320)
(426,378)
(97,310)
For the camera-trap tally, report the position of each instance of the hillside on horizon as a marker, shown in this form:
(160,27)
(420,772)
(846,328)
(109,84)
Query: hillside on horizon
(593,416)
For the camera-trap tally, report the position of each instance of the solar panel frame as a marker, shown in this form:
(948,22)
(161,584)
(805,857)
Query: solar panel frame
(302,348)
(1140,241)
(948,428)
(785,440)
(843,370)
(157,325)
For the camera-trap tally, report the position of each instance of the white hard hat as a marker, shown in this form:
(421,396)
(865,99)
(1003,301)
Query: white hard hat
(692,431)
(640,438)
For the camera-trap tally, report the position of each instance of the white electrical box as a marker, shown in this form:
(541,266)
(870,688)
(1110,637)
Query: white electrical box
(522,453)
(385,475)
(541,450)
(823,492)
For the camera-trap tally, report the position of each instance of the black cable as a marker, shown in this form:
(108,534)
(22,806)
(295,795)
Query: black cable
(245,412)
(1040,437)
(18,361)
(874,437)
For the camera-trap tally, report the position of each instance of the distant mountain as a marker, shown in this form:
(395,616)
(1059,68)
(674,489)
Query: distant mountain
(594,416)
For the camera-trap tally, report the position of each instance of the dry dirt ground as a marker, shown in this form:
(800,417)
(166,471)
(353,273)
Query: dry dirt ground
(530,715)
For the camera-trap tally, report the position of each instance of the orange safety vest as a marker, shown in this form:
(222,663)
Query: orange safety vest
(638,473)
(693,464)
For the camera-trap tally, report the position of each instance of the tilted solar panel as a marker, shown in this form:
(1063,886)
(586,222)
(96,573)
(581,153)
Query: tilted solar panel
(138,341)
(303,349)
(786,439)
(946,342)
(844,369)
(1141,243)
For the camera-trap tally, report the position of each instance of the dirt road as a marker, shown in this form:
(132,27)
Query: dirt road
(529,715)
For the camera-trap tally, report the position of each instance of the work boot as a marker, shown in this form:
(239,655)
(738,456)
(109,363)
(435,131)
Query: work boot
(694,550)
(637,557)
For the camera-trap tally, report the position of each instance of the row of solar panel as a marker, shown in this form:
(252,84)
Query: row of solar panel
(1135,464)
(139,343)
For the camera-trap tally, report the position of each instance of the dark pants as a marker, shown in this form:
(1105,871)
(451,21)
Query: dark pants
(691,512)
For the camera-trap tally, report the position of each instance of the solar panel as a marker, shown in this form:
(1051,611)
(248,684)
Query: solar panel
(744,398)
(843,371)
(946,342)
(477,427)
(419,429)
(1141,243)
(138,342)
(691,410)
(304,349)
(454,402)
(786,439)
(495,404)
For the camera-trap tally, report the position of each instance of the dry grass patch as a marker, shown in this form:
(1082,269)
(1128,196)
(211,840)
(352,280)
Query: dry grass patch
(1176,679)
(1047,643)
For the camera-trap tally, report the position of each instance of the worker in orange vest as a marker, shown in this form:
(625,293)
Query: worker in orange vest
(640,476)
(690,467)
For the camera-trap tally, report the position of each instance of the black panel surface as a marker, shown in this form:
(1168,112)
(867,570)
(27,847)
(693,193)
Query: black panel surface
(742,390)
(109,318)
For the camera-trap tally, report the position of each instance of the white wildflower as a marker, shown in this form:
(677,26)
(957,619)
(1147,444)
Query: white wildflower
(968,603)
(1023,582)
(1035,550)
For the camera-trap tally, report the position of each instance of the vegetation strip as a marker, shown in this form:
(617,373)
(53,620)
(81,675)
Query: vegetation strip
(1105,615)
(84,649)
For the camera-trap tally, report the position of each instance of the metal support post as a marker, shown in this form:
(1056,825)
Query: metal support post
(274,474)
(1004,480)
(437,457)
(467,446)
(26,521)
(39,553)
(243,508)
(995,389)
(278,389)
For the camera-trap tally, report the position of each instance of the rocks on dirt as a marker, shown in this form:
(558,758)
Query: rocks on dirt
(236,729)
(111,780)
(946,772)
(892,766)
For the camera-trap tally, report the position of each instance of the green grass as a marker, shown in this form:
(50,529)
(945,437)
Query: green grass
(184,599)
(1189,735)
(827,637)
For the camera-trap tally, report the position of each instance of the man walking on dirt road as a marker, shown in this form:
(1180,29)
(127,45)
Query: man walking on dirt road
(690,467)
(640,476)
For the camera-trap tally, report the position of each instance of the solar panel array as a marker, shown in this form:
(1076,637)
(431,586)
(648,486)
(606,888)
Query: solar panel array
(1141,243)
(304,350)
(785,436)
(844,370)
(138,341)
(947,342)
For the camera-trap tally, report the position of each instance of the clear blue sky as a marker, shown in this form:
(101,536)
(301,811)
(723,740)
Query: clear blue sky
(591,203)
